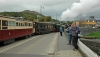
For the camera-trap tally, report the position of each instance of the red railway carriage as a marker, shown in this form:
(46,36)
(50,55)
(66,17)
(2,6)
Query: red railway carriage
(11,28)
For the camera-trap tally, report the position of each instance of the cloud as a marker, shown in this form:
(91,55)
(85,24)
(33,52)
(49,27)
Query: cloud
(84,6)
(30,4)
(51,7)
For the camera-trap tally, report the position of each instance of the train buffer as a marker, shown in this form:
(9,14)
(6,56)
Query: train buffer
(64,50)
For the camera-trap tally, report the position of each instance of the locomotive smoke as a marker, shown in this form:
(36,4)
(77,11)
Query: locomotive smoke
(79,8)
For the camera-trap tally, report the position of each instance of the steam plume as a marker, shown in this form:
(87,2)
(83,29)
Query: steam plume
(79,8)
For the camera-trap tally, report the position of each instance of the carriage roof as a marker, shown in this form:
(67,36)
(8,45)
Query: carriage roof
(13,18)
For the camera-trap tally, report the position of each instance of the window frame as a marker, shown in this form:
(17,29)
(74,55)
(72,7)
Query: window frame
(4,24)
(0,25)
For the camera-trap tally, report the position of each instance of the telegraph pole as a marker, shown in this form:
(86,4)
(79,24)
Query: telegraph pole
(41,7)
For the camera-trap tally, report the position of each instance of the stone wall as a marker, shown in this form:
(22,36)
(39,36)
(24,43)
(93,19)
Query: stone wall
(86,31)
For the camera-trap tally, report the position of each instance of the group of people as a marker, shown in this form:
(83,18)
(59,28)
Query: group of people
(73,31)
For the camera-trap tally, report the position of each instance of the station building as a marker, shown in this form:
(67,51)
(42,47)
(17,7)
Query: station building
(91,22)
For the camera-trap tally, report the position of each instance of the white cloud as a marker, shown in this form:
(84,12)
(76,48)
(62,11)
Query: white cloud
(79,8)
(51,7)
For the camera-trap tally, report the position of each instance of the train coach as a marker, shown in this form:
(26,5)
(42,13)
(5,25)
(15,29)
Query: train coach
(11,28)
(43,27)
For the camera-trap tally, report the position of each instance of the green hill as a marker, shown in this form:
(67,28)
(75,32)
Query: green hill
(28,15)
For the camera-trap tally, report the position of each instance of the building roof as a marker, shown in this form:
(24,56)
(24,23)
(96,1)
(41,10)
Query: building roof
(91,19)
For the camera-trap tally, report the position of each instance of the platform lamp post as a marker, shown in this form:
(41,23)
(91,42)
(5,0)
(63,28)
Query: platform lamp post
(56,16)
(41,7)
(84,15)
(38,18)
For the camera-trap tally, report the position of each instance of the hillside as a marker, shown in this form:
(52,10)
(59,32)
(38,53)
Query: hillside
(28,15)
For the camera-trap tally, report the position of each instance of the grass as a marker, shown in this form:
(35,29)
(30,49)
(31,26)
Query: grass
(92,35)
(99,53)
(97,34)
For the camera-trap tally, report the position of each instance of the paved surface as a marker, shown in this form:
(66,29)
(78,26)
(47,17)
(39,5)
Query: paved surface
(21,55)
(64,50)
(36,46)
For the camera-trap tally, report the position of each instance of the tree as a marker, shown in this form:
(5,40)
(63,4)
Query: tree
(69,22)
(47,18)
(27,15)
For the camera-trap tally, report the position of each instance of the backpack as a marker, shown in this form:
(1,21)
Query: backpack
(77,30)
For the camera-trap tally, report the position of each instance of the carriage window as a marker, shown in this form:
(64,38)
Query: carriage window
(13,23)
(25,24)
(21,24)
(29,24)
(48,26)
(4,23)
(0,24)
(9,23)
(42,26)
(45,26)
(16,23)
(39,26)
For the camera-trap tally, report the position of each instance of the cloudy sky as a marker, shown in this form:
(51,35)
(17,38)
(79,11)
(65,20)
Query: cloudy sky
(62,9)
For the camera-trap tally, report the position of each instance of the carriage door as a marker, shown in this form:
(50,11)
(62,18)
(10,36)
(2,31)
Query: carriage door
(0,29)
(34,26)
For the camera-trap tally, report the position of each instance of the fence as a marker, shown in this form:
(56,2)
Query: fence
(85,31)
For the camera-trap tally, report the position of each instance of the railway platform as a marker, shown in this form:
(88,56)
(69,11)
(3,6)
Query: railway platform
(64,50)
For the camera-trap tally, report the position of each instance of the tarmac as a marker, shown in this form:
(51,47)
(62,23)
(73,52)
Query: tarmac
(64,50)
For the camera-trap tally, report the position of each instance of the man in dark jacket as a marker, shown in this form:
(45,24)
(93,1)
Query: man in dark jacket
(75,31)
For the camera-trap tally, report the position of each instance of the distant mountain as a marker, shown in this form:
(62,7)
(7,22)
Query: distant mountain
(34,12)
(27,14)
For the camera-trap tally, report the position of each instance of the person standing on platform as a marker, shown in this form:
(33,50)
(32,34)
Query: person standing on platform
(69,34)
(75,31)
(61,30)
